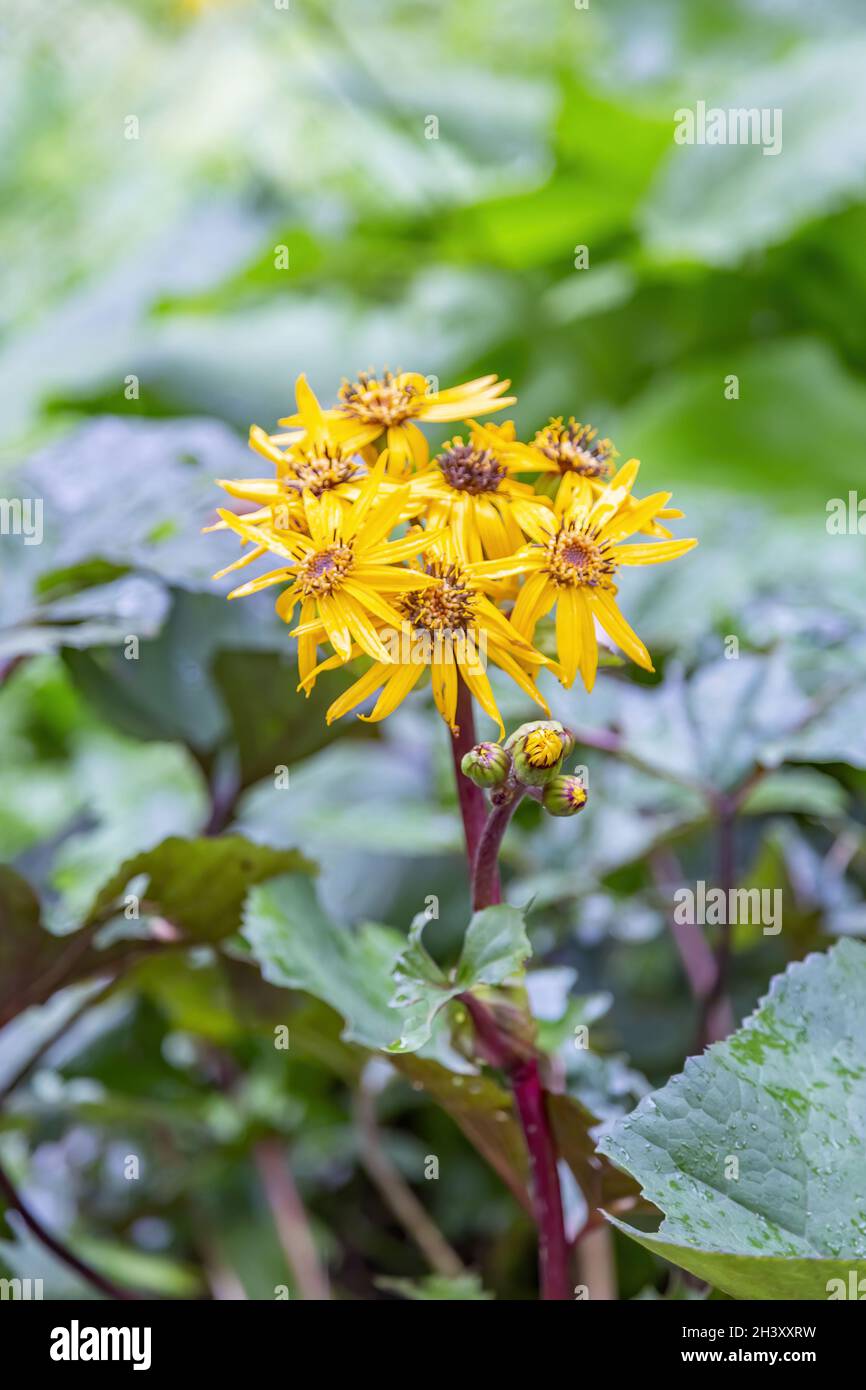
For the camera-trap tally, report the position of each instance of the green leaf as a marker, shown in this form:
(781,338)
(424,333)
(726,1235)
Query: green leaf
(132,797)
(484,1111)
(803,790)
(459,1288)
(717,202)
(786,1098)
(836,735)
(198,885)
(713,727)
(170,691)
(495,948)
(28,953)
(94,617)
(684,414)
(287,726)
(299,947)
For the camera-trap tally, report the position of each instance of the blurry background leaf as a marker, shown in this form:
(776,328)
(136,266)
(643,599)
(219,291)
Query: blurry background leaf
(199,886)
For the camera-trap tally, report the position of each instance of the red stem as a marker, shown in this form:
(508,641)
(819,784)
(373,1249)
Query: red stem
(485,868)
(473,808)
(483,838)
(546,1194)
(524,1076)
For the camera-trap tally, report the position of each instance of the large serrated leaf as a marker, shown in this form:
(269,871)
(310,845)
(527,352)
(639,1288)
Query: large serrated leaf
(755,1152)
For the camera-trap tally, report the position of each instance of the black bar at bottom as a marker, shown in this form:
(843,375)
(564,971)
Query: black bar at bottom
(154,1337)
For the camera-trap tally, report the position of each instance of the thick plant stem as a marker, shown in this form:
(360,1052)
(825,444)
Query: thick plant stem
(483,839)
(485,869)
(523,1073)
(471,798)
(546,1195)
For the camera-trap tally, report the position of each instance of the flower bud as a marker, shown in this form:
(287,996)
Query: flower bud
(538,750)
(564,796)
(568,741)
(487,765)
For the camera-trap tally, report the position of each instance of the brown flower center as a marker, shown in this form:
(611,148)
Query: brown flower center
(322,471)
(444,607)
(470,470)
(324,570)
(576,558)
(380,400)
(575,448)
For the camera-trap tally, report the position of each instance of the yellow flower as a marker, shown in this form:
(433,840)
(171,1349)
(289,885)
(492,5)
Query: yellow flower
(570,449)
(390,404)
(313,459)
(339,569)
(573,564)
(469,488)
(449,626)
(573,448)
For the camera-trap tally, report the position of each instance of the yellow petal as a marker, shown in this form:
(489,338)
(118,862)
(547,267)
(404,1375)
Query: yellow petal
(309,410)
(624,523)
(588,659)
(376,604)
(289,546)
(626,476)
(517,674)
(480,687)
(443,677)
(652,553)
(391,579)
(492,531)
(287,602)
(246,559)
(262,581)
(537,597)
(418,445)
(263,445)
(307,644)
(568,633)
(404,679)
(604,606)
(521,562)
(400,455)
(336,624)
(382,518)
(360,626)
(358,692)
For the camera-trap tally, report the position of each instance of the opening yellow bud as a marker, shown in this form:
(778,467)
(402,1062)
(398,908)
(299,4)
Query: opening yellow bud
(543,748)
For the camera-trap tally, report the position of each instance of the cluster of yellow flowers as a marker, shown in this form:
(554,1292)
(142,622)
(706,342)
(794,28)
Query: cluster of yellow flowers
(442,564)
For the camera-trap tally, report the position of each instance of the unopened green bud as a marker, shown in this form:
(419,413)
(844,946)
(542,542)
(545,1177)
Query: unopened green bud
(487,765)
(538,750)
(564,796)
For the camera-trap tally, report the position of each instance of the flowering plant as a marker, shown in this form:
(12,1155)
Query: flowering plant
(411,566)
